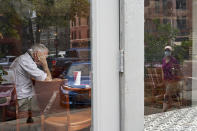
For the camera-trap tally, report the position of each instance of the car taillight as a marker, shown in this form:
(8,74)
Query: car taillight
(53,62)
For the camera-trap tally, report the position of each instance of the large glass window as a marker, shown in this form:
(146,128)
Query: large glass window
(169,74)
(45,65)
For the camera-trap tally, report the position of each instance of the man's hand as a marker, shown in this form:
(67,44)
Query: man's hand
(42,60)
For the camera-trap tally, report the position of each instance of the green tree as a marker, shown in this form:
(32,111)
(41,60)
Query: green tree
(156,41)
(9,20)
(49,13)
(16,16)
(181,52)
(58,14)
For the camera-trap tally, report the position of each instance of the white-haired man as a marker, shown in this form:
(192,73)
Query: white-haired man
(25,68)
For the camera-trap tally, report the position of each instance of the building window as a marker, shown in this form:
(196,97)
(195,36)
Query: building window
(180,4)
(79,34)
(74,23)
(75,45)
(157,6)
(88,33)
(88,20)
(71,35)
(182,24)
(75,35)
(79,19)
(146,3)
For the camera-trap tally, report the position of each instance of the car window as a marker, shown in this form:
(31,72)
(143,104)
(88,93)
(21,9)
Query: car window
(60,63)
(3,60)
(71,54)
(84,68)
(11,59)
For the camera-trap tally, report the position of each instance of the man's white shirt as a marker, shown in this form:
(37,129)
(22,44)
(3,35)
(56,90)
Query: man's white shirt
(24,69)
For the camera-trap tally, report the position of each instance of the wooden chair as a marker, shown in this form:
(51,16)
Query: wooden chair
(13,102)
(154,80)
(154,85)
(72,121)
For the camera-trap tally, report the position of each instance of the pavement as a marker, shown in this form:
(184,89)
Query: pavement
(176,120)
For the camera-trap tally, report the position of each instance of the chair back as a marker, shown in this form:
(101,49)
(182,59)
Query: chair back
(154,75)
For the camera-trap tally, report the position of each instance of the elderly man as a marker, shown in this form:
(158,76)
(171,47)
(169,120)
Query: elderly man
(25,68)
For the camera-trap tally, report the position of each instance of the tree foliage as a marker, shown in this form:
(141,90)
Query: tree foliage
(59,12)
(48,13)
(181,52)
(9,20)
(156,41)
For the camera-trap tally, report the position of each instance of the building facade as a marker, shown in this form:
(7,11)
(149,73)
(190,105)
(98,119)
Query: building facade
(80,32)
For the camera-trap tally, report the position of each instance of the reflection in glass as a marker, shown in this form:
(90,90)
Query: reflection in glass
(62,26)
(169,75)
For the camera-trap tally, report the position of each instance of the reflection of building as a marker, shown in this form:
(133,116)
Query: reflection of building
(76,34)
(80,32)
(10,46)
(178,13)
(48,36)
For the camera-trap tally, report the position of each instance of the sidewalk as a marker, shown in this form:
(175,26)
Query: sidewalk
(177,120)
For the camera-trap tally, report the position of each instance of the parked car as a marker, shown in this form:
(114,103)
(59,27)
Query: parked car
(58,64)
(60,67)
(5,62)
(61,54)
(80,53)
(76,99)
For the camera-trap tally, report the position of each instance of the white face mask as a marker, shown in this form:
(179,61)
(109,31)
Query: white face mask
(167,53)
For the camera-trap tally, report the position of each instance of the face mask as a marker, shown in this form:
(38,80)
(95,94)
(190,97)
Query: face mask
(167,53)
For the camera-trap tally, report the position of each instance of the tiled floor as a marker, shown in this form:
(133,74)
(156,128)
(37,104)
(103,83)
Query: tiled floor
(177,120)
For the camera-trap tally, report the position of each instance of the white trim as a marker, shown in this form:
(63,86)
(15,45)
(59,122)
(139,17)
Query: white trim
(105,52)
(132,81)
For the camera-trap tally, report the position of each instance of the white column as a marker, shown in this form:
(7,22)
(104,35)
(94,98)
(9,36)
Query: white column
(194,52)
(105,52)
(132,81)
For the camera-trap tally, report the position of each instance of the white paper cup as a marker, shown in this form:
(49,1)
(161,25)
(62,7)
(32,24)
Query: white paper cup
(77,77)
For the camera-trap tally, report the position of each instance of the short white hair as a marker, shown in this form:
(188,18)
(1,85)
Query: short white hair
(38,47)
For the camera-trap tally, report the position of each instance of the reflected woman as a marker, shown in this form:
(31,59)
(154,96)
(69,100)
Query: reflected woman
(170,68)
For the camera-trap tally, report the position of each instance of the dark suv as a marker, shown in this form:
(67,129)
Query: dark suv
(58,64)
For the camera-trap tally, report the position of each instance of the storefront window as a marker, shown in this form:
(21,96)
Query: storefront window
(45,65)
(169,80)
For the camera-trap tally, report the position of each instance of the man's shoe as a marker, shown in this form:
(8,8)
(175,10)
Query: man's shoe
(30,120)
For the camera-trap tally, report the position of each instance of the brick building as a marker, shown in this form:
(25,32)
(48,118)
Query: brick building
(80,32)
(178,13)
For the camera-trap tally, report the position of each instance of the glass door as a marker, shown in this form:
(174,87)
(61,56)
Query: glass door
(45,65)
(52,54)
